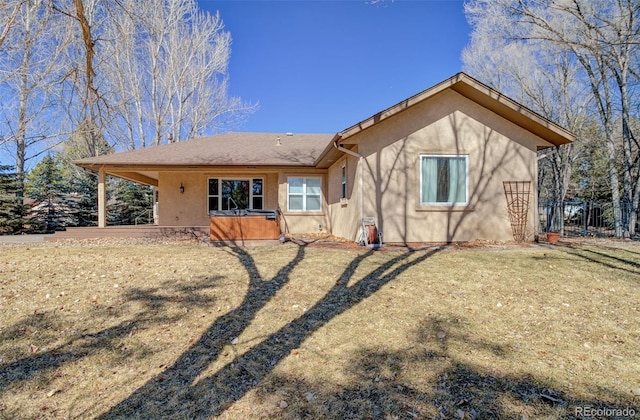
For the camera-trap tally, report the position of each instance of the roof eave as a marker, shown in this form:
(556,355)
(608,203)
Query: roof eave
(491,99)
(172,166)
(512,110)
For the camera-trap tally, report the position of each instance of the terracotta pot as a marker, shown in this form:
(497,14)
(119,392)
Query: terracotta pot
(372,234)
(552,237)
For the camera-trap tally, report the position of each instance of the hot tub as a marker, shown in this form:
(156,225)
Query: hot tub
(234,225)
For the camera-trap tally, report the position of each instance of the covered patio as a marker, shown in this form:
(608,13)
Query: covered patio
(233,186)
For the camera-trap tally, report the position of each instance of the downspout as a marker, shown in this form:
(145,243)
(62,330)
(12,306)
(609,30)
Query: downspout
(361,170)
(102,197)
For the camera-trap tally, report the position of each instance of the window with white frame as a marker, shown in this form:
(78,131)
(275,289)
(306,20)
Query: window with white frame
(304,193)
(231,194)
(444,179)
(214,194)
(257,194)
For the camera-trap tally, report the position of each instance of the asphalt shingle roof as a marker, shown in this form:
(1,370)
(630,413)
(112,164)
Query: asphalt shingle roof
(225,149)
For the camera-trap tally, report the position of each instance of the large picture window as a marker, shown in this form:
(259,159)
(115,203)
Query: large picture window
(443,179)
(304,194)
(231,194)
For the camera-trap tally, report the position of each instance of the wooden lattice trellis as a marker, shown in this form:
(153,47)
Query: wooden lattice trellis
(517,194)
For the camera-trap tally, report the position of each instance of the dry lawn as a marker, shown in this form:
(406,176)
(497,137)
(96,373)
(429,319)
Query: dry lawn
(187,331)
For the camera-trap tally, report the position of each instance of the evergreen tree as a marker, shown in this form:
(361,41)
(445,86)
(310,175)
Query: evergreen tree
(86,141)
(133,203)
(11,207)
(46,185)
(83,192)
(85,199)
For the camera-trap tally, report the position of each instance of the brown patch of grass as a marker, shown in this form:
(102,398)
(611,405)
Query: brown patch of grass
(123,331)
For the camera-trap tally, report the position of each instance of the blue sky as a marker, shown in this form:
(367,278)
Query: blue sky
(322,66)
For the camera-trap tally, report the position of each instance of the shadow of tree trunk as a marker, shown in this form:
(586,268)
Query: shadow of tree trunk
(155,397)
(174,393)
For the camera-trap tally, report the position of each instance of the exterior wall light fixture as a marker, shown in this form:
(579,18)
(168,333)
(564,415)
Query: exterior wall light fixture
(181,188)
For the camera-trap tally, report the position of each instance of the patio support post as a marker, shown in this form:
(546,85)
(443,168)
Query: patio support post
(102,198)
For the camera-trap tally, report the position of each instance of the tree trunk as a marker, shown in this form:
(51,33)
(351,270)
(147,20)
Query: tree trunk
(21,138)
(615,187)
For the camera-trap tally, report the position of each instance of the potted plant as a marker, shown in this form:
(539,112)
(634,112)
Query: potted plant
(553,237)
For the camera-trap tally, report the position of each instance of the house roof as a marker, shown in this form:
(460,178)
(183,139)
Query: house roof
(230,149)
(483,95)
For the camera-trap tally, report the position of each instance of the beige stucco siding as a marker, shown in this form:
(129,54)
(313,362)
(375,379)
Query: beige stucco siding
(344,215)
(446,124)
(271,191)
(190,208)
(298,222)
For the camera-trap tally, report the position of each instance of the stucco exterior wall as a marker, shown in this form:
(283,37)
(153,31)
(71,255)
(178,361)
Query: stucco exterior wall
(295,222)
(448,124)
(190,208)
(344,215)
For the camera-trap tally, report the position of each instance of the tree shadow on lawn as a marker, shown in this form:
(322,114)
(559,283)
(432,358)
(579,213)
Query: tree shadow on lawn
(185,295)
(71,351)
(175,392)
(426,380)
(631,261)
(600,256)
(84,342)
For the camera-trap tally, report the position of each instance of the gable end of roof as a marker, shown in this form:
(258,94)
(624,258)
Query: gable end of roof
(485,96)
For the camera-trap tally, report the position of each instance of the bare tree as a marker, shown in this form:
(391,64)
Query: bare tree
(602,37)
(542,79)
(168,71)
(86,88)
(122,70)
(9,10)
(30,69)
